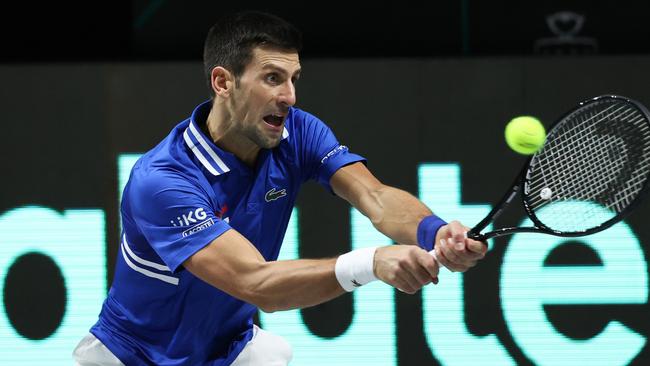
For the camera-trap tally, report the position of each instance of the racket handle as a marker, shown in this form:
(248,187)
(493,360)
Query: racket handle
(477,236)
(435,257)
(433,253)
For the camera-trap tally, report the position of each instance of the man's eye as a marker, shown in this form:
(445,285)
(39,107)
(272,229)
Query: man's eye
(272,78)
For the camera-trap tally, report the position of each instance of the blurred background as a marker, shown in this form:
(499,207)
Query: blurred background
(423,91)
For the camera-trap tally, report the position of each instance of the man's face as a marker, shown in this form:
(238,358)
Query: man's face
(265,92)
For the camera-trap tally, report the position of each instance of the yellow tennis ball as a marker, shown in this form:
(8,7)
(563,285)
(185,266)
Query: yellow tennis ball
(525,134)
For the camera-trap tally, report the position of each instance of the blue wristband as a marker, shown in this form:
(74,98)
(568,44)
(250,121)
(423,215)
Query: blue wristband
(427,230)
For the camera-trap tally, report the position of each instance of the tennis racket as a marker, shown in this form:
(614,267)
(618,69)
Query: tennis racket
(591,172)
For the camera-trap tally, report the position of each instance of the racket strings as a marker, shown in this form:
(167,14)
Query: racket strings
(563,147)
(551,149)
(583,158)
(598,154)
(601,190)
(588,165)
(576,131)
(590,186)
(582,190)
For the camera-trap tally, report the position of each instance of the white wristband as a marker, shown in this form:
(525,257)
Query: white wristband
(354,269)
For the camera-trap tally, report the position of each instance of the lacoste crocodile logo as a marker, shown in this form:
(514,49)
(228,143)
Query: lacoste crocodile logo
(273,194)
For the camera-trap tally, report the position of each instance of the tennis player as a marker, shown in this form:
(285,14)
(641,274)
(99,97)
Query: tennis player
(204,214)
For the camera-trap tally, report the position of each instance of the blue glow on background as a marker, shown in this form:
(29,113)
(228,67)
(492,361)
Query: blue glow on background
(75,241)
(442,305)
(527,285)
(125,163)
(570,216)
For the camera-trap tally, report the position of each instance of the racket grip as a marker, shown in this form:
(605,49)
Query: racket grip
(477,236)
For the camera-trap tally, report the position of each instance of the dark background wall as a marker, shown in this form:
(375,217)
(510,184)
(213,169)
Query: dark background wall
(399,84)
(174,30)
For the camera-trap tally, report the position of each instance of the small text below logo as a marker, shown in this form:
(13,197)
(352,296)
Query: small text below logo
(196,228)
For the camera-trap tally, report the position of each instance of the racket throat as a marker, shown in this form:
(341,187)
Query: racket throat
(504,231)
(494,214)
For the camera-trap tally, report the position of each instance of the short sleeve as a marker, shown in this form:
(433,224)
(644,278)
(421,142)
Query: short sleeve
(322,153)
(174,215)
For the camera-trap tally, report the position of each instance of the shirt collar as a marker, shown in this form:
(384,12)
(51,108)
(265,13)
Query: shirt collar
(212,158)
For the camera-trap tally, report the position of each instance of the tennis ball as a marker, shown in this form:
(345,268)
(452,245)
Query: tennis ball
(525,134)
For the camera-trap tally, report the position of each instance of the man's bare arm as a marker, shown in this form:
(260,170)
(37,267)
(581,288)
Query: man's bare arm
(232,264)
(397,214)
(394,212)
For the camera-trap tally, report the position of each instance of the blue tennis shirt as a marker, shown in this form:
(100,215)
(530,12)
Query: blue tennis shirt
(181,195)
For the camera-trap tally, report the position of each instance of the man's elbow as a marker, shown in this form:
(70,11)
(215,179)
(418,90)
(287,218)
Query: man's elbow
(262,295)
(268,308)
(267,304)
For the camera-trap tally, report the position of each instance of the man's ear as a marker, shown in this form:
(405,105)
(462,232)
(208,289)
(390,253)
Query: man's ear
(222,81)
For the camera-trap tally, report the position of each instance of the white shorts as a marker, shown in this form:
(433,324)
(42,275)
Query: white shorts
(264,349)
(92,352)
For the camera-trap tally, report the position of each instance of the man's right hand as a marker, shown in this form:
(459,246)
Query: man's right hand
(406,267)
(454,250)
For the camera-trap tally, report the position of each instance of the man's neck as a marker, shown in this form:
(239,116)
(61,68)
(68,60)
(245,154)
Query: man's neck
(222,132)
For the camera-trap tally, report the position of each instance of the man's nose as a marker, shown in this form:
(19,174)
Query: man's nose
(288,94)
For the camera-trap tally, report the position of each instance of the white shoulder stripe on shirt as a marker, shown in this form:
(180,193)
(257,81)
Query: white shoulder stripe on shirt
(145,262)
(146,272)
(207,148)
(199,155)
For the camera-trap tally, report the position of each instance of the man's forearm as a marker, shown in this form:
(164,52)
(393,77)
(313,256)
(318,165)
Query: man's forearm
(285,285)
(396,213)
(232,264)
(403,218)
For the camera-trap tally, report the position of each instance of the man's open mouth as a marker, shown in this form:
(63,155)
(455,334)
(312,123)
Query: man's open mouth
(274,119)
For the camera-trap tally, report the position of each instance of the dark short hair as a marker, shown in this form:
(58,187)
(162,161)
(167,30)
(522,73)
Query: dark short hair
(231,40)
